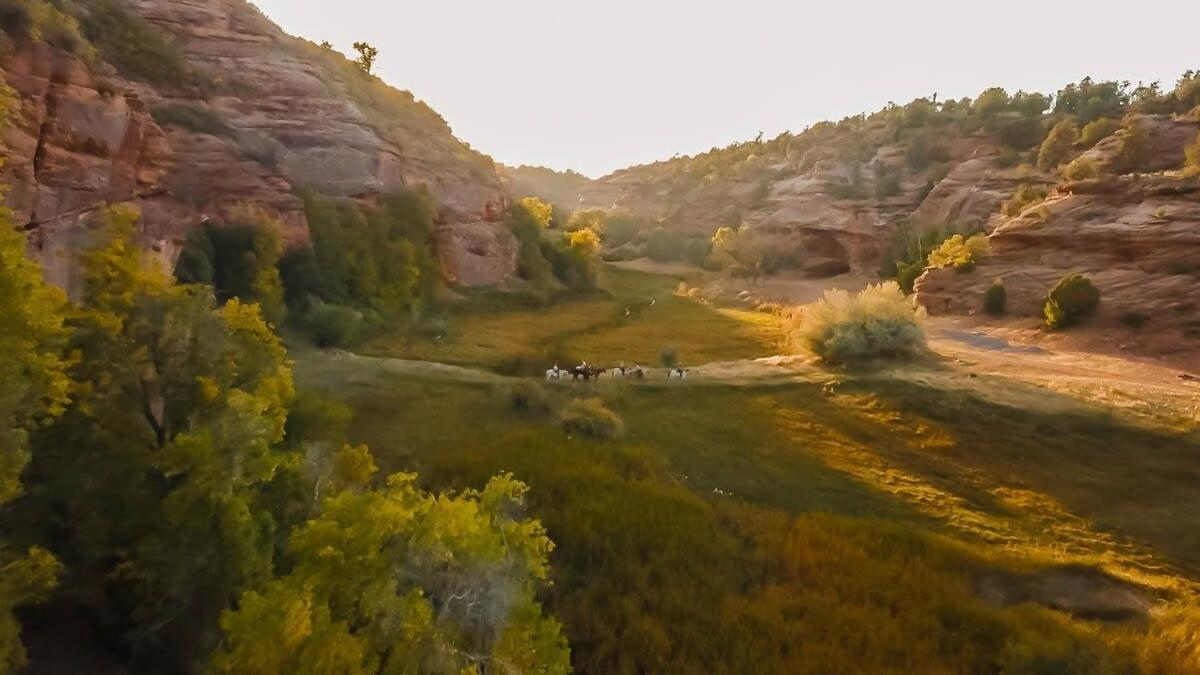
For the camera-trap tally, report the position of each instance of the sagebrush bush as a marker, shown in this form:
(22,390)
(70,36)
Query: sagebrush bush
(1074,298)
(589,417)
(333,326)
(877,322)
(961,253)
(995,299)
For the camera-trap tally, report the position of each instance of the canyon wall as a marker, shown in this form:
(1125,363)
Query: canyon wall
(261,115)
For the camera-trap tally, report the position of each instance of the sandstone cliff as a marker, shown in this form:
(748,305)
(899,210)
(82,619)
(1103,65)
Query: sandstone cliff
(1136,236)
(259,115)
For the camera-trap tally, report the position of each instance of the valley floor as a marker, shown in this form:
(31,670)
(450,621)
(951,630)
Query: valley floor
(993,508)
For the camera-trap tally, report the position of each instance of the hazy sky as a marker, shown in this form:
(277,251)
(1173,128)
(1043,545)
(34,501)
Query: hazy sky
(598,85)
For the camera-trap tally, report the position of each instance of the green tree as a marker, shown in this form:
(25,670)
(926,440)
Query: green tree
(991,102)
(34,389)
(1090,100)
(397,580)
(1058,145)
(366,56)
(157,463)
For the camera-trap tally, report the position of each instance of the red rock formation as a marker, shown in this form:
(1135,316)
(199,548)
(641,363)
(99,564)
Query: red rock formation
(284,116)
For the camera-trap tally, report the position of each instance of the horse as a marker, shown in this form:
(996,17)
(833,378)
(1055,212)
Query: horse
(586,372)
(554,374)
(677,373)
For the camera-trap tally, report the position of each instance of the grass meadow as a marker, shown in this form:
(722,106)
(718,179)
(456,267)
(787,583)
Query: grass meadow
(878,526)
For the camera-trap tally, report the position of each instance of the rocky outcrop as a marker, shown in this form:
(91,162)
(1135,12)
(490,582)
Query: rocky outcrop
(1136,237)
(78,142)
(268,114)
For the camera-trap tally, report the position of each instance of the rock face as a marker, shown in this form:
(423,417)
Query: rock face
(1136,238)
(270,114)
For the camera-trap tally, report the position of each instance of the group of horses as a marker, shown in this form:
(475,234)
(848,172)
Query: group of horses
(587,372)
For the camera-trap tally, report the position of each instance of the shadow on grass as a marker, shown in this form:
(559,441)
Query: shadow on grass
(1085,474)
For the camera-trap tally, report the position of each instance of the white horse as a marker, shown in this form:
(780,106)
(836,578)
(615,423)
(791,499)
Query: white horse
(555,374)
(677,374)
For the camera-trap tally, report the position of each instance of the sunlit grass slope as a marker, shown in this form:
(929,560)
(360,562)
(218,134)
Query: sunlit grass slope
(635,318)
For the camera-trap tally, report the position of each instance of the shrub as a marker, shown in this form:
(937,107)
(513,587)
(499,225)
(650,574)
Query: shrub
(529,396)
(1096,131)
(1024,196)
(1191,166)
(1058,145)
(1134,153)
(1074,298)
(589,417)
(877,322)
(333,326)
(1081,169)
(961,253)
(995,299)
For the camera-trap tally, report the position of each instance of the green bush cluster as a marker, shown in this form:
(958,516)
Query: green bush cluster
(589,417)
(332,326)
(1071,300)
(548,257)
(239,259)
(1090,100)
(379,257)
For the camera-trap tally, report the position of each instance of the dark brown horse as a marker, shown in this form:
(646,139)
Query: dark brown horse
(586,372)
